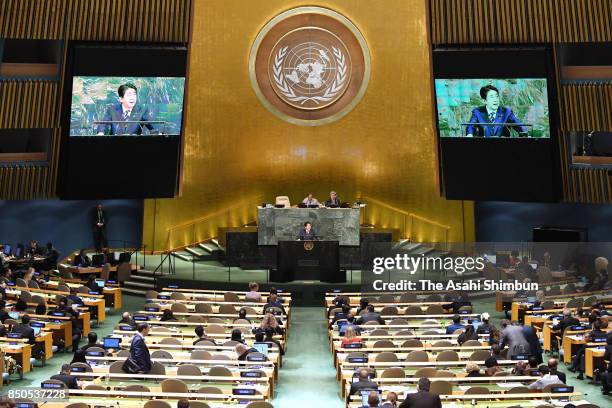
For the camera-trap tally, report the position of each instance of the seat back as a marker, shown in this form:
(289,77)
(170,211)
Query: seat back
(284,200)
(417,356)
(477,390)
(471,343)
(384,343)
(480,355)
(441,388)
(448,355)
(393,372)
(428,372)
(156,404)
(188,369)
(203,308)
(386,357)
(179,308)
(162,354)
(413,310)
(220,371)
(227,309)
(137,388)
(230,297)
(389,310)
(435,309)
(200,355)
(412,343)
(178,296)
(157,368)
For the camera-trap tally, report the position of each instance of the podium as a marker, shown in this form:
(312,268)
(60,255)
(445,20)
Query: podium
(308,260)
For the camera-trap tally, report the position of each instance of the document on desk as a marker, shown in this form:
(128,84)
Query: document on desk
(509,384)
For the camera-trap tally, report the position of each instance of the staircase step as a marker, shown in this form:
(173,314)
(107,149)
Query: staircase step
(143,272)
(215,241)
(209,247)
(142,278)
(182,256)
(133,291)
(146,285)
(193,252)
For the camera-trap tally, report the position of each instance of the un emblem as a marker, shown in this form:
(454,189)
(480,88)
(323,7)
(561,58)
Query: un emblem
(309,66)
(308,245)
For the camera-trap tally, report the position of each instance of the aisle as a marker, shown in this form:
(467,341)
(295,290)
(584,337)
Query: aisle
(308,378)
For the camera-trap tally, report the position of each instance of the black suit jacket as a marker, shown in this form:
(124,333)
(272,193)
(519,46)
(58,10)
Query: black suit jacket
(139,352)
(69,380)
(307,236)
(81,260)
(4,315)
(371,317)
(362,385)
(26,332)
(422,399)
(115,113)
(333,202)
(565,323)
(562,376)
(94,218)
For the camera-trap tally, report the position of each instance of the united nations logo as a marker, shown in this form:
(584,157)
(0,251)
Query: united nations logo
(309,65)
(308,245)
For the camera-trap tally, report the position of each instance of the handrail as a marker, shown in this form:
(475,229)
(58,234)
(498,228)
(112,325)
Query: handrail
(410,216)
(192,226)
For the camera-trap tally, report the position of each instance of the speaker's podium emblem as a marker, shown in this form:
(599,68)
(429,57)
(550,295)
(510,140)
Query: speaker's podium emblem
(308,245)
(309,65)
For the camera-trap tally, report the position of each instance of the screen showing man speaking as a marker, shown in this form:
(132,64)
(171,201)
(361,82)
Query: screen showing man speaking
(126,106)
(515,107)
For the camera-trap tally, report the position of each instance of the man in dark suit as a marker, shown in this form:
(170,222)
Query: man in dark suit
(81,259)
(127,319)
(3,313)
(492,113)
(92,341)
(567,321)
(334,200)
(364,383)
(25,330)
(370,316)
(65,377)
(274,301)
(139,352)
(34,248)
(126,111)
(422,398)
(99,220)
(307,233)
(51,258)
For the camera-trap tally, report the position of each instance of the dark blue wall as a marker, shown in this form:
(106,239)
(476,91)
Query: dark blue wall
(508,222)
(66,223)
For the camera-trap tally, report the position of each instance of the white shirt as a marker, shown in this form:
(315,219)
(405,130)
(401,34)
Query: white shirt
(311,201)
(489,112)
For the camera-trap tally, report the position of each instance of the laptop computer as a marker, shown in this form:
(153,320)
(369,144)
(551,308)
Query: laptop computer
(262,347)
(36,330)
(100,283)
(13,315)
(112,343)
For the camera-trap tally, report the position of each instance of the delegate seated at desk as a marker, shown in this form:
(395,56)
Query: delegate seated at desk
(310,200)
(334,200)
(307,233)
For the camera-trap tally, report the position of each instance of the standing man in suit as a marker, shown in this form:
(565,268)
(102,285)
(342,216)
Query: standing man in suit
(334,200)
(99,221)
(513,337)
(422,398)
(126,111)
(139,352)
(307,233)
(492,113)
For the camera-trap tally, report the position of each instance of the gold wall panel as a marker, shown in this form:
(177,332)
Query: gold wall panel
(237,154)
(520,21)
